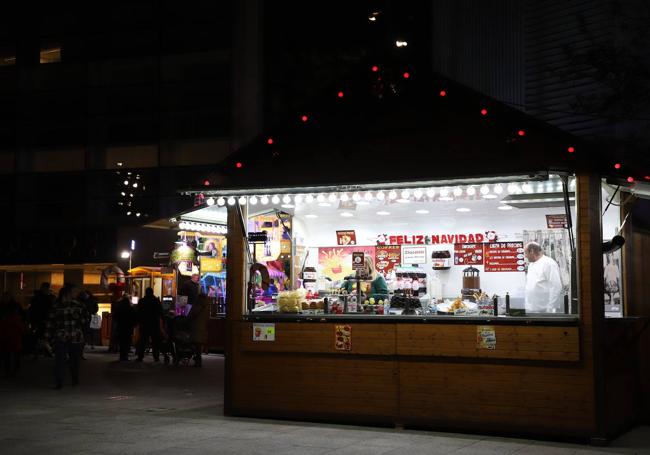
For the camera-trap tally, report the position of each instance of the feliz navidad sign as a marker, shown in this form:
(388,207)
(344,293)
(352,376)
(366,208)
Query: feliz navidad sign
(437,239)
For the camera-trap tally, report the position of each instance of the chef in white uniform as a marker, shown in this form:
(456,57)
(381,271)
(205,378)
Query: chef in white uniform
(543,282)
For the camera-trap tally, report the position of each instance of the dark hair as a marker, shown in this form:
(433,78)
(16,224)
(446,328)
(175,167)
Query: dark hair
(148,291)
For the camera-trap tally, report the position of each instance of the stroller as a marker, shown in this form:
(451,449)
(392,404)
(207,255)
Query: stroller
(177,346)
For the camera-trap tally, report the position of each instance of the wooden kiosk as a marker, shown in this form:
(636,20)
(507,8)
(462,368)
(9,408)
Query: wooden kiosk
(568,376)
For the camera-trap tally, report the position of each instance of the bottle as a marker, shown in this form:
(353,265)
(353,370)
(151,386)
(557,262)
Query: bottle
(495,302)
(507,304)
(566,303)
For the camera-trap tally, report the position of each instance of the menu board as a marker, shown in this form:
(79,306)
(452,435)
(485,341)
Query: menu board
(468,253)
(387,257)
(556,221)
(414,255)
(504,257)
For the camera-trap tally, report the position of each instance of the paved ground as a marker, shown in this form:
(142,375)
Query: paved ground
(150,408)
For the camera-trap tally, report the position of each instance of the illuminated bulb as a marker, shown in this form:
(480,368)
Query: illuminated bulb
(527,188)
(242,200)
(297,198)
(221,201)
(264,200)
(135,185)
(332,198)
(210,201)
(471,191)
(286,199)
(320,198)
(381,196)
(231,200)
(498,189)
(123,193)
(399,43)
(540,187)
(356,197)
(418,193)
(275,199)
(392,195)
(457,191)
(444,192)
(126,183)
(431,192)
(485,190)
(513,188)
(345,197)
(309,199)
(253,200)
(368,196)
(406,194)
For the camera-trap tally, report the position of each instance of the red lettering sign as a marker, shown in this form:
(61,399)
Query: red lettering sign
(504,256)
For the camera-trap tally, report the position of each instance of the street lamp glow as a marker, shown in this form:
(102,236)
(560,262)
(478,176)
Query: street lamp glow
(125,255)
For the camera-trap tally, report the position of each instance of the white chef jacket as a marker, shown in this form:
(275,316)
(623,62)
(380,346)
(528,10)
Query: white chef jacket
(544,287)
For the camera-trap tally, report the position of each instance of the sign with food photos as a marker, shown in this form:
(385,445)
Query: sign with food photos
(387,257)
(486,337)
(263,332)
(342,337)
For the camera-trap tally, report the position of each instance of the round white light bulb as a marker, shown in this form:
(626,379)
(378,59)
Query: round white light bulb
(320,198)
(221,201)
(344,197)
(210,201)
(356,197)
(406,194)
(471,191)
(231,200)
(367,196)
(498,189)
(275,199)
(264,200)
(431,192)
(286,199)
(485,190)
(444,192)
(253,200)
(417,193)
(458,191)
(297,198)
(309,199)
(242,200)
(332,198)
(392,195)
(381,196)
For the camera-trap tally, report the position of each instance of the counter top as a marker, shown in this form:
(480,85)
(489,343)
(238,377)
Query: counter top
(549,320)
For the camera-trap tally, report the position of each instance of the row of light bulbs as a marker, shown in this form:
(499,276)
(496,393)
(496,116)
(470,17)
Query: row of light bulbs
(200,227)
(445,194)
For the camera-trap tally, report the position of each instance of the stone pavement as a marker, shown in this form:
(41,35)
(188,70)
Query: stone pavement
(152,408)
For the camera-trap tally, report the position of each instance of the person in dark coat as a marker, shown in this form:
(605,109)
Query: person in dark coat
(66,327)
(124,317)
(191,289)
(12,329)
(149,314)
(39,311)
(198,320)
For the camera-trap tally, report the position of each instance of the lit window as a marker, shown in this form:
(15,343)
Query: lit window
(7,60)
(51,54)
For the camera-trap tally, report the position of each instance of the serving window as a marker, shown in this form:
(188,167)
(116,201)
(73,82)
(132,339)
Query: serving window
(485,247)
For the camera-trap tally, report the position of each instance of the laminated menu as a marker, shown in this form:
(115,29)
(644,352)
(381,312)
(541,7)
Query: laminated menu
(504,257)
(468,253)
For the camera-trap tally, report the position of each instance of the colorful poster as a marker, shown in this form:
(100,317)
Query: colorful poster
(336,262)
(504,257)
(343,337)
(387,257)
(345,238)
(556,221)
(263,332)
(486,337)
(414,255)
(468,253)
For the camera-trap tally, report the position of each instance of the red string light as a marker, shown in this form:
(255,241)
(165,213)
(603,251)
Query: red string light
(647,177)
(304,118)
(206,183)
(443,93)
(375,69)
(521,133)
(630,179)
(483,111)
(617,166)
(239,165)
(340,94)
(269,141)
(571,149)
(406,75)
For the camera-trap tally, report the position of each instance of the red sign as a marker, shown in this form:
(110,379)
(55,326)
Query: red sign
(357,261)
(387,257)
(556,221)
(468,254)
(504,257)
(345,238)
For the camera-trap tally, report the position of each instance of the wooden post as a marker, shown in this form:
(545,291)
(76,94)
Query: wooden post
(235,297)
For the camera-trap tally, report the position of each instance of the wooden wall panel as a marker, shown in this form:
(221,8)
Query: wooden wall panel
(513,342)
(525,398)
(313,386)
(371,339)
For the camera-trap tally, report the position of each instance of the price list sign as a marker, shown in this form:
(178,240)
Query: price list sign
(468,253)
(504,257)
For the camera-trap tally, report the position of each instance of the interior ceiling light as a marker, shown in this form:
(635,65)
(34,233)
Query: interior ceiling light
(383,213)
(463,209)
(422,211)
(347,214)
